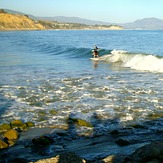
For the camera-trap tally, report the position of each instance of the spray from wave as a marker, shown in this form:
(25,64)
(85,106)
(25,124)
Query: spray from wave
(142,62)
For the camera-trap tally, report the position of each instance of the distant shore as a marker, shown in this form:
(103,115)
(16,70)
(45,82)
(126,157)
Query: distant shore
(16,22)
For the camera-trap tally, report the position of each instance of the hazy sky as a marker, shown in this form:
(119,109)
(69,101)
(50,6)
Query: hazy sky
(113,11)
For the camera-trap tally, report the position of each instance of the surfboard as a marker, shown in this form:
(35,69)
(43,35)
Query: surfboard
(95,59)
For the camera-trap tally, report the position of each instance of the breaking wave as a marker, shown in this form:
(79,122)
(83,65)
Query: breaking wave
(136,61)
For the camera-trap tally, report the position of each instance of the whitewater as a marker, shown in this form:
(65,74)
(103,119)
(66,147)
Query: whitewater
(47,72)
(137,61)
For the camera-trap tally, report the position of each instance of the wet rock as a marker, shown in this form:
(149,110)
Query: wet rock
(3,144)
(11,134)
(161,156)
(119,158)
(18,124)
(70,158)
(62,137)
(138,126)
(109,159)
(52,112)
(114,133)
(122,142)
(34,133)
(48,160)
(42,112)
(154,161)
(79,122)
(30,124)
(18,160)
(10,142)
(149,152)
(42,141)
(4,127)
(155,115)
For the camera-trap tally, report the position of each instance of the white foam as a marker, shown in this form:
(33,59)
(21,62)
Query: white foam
(138,61)
(145,63)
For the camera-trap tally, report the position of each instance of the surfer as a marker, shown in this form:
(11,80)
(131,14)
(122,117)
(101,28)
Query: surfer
(95,52)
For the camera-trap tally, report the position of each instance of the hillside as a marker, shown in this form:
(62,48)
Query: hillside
(63,22)
(12,20)
(146,23)
(73,20)
(18,22)
(76,26)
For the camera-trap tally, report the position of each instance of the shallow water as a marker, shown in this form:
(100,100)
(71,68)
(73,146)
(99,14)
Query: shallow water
(46,71)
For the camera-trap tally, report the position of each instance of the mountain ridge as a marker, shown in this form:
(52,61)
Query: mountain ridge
(145,23)
(74,20)
(20,21)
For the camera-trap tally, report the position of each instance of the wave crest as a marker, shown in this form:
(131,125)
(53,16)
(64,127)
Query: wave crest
(142,62)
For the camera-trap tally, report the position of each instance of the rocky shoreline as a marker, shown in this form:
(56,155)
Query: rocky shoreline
(137,143)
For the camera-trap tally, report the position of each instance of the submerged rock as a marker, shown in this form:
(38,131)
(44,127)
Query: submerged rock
(79,122)
(30,124)
(52,112)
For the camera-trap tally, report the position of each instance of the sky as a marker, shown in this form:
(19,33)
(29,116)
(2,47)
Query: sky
(112,11)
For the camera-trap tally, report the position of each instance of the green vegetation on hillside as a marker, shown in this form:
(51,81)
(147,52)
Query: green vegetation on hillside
(10,21)
(58,25)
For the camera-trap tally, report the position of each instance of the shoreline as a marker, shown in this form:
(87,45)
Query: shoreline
(119,144)
(60,29)
(15,30)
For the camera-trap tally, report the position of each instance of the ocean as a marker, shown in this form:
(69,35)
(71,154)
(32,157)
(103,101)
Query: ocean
(47,76)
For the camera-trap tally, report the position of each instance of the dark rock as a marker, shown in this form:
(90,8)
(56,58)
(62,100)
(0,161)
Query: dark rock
(18,160)
(114,132)
(41,141)
(122,142)
(161,157)
(18,130)
(9,141)
(149,152)
(70,158)
(138,126)
(3,144)
(121,159)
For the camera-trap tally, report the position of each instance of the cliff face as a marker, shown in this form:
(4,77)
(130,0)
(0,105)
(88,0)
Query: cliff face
(23,22)
(18,22)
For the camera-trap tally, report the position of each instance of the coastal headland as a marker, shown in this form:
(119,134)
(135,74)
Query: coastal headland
(10,21)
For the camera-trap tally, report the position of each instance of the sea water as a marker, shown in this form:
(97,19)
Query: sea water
(47,76)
